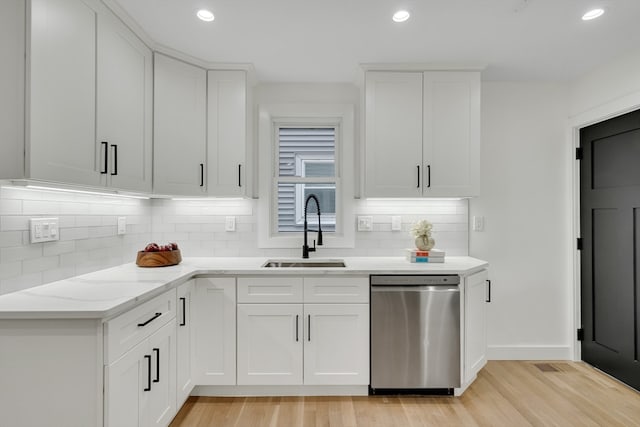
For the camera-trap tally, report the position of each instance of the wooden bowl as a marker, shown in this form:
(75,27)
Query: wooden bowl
(158,259)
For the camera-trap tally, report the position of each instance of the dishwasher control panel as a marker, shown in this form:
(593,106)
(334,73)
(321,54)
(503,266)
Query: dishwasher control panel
(415,279)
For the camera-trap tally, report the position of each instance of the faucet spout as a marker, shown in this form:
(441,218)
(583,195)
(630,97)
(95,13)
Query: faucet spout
(305,247)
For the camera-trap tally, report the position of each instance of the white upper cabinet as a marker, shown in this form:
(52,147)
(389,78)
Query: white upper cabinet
(86,88)
(180,124)
(62,92)
(226,133)
(124,108)
(422,134)
(393,131)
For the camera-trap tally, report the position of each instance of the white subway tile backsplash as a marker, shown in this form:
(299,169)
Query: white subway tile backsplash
(88,239)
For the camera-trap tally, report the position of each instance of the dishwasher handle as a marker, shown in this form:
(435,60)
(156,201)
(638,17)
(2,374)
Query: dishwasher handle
(415,288)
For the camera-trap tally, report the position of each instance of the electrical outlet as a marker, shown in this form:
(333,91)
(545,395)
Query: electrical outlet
(230,223)
(365,223)
(477,223)
(43,230)
(122,225)
(396,223)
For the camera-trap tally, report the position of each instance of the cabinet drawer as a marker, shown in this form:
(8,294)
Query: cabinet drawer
(127,330)
(336,289)
(269,289)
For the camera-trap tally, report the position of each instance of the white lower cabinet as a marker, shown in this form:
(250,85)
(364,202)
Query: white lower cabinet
(215,331)
(295,343)
(475,324)
(336,346)
(184,342)
(140,387)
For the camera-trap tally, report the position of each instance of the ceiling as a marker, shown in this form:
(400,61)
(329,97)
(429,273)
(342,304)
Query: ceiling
(326,40)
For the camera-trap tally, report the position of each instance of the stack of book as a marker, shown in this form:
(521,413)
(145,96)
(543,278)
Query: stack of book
(432,255)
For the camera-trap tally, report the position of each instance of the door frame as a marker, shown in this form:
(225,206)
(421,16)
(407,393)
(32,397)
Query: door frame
(595,115)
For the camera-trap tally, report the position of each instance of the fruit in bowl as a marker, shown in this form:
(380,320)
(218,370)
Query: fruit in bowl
(155,255)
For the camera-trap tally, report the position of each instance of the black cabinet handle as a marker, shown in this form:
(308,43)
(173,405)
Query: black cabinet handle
(155,316)
(418,167)
(201,174)
(309,328)
(184,312)
(240,175)
(157,352)
(297,317)
(105,145)
(115,159)
(148,388)
(488,291)
(428,176)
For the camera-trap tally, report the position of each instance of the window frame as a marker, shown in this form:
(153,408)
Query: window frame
(271,118)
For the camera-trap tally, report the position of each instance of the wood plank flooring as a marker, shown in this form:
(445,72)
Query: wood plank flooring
(506,393)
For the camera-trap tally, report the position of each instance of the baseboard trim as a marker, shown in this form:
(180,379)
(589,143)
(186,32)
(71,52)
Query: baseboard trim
(529,352)
(301,390)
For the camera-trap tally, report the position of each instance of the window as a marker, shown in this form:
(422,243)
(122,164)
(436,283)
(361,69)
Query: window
(306,163)
(303,150)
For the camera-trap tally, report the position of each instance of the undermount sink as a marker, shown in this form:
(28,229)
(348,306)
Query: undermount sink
(322,263)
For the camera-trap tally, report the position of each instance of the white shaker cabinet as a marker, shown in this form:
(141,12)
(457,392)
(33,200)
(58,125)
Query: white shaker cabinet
(180,125)
(226,132)
(475,324)
(270,340)
(124,106)
(184,341)
(422,134)
(62,92)
(214,313)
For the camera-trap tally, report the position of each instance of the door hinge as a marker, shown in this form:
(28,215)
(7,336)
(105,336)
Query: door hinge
(579,153)
(579,243)
(580,334)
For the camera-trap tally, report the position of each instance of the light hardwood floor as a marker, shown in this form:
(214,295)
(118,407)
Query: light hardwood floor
(506,393)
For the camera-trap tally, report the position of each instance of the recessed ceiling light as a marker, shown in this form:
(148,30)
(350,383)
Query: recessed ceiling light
(401,16)
(205,15)
(592,14)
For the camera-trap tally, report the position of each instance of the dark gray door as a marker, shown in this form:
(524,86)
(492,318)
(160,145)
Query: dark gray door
(610,228)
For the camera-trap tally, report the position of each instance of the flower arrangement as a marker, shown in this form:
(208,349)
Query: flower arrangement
(421,230)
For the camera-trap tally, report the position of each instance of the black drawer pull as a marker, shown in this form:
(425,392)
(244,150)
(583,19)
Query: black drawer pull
(201,174)
(488,291)
(309,328)
(240,175)
(115,159)
(146,356)
(106,157)
(184,311)
(157,352)
(297,328)
(155,316)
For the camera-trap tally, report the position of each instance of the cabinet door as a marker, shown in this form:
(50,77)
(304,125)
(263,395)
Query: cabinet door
(127,388)
(226,133)
(452,133)
(336,344)
(180,105)
(393,134)
(162,398)
(12,49)
(62,95)
(124,116)
(184,342)
(475,324)
(215,331)
(270,344)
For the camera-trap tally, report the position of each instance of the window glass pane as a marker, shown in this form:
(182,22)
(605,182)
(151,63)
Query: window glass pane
(296,146)
(291,198)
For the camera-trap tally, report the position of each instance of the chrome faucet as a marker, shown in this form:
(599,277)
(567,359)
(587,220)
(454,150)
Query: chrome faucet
(305,247)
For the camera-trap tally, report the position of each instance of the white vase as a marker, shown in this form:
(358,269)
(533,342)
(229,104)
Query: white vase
(425,243)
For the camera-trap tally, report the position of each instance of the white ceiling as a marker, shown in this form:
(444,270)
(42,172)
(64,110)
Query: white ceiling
(325,40)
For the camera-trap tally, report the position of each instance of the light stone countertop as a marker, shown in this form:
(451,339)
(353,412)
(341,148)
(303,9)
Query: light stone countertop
(107,293)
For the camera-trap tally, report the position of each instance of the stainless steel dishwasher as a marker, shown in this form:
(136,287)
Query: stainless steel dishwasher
(415,333)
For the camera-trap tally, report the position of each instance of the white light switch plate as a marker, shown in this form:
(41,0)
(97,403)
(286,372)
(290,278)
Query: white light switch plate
(43,230)
(396,223)
(122,225)
(230,223)
(365,223)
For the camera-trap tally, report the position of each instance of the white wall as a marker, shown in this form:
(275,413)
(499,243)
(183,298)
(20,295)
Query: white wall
(526,201)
